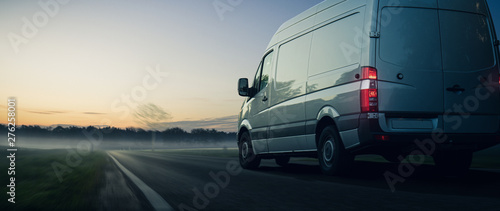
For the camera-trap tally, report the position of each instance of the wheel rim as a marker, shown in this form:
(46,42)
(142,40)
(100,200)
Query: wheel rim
(328,149)
(244,150)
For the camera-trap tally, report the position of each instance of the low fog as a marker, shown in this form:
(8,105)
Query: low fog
(114,144)
(109,138)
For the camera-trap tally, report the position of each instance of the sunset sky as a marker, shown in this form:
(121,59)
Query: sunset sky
(87,64)
(92,62)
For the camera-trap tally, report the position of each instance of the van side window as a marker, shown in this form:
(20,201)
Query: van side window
(291,69)
(262,76)
(266,70)
(256,79)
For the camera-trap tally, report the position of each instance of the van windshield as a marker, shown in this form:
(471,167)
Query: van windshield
(437,39)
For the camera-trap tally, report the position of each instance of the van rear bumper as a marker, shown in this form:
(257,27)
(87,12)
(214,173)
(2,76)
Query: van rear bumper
(374,140)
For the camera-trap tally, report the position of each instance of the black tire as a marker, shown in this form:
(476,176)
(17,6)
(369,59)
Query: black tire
(453,163)
(248,160)
(282,161)
(332,156)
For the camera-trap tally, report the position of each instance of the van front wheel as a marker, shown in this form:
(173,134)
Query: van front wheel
(248,159)
(332,156)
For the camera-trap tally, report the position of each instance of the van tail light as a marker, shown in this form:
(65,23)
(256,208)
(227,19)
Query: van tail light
(369,90)
(368,73)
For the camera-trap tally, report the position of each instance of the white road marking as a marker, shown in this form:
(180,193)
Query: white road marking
(154,198)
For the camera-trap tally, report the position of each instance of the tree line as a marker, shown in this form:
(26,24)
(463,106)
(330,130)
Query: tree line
(127,134)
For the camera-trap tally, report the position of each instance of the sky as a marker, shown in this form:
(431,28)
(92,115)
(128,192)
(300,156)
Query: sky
(92,62)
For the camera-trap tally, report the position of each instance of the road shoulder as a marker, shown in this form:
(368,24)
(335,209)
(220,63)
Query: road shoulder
(118,193)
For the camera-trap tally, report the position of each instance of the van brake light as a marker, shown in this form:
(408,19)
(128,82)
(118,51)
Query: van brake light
(368,73)
(369,90)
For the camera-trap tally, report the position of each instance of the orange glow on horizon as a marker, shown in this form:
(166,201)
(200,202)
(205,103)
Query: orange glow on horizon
(79,119)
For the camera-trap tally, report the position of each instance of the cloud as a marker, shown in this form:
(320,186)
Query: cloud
(46,112)
(227,124)
(93,113)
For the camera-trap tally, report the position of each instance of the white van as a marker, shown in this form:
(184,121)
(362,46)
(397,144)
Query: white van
(388,77)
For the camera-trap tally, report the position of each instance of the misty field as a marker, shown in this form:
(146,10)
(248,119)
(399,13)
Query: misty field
(39,188)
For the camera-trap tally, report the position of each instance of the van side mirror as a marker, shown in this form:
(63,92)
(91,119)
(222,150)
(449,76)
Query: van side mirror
(243,89)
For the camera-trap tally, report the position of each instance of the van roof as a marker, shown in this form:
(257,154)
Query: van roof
(305,20)
(300,22)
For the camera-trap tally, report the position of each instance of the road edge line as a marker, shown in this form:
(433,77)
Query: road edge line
(153,197)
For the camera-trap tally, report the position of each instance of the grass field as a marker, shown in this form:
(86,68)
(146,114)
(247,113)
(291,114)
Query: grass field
(38,187)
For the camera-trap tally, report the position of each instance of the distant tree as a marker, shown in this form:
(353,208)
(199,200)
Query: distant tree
(129,134)
(175,133)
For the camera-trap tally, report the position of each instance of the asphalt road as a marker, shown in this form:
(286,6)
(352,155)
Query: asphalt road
(186,183)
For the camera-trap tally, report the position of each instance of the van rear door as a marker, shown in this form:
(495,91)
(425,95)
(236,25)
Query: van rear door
(409,60)
(438,58)
(472,103)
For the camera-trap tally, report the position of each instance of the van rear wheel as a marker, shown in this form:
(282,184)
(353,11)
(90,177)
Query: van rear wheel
(453,163)
(332,156)
(248,159)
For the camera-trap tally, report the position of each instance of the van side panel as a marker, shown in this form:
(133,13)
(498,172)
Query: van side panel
(301,23)
(334,55)
(321,62)
(336,51)
(287,118)
(334,61)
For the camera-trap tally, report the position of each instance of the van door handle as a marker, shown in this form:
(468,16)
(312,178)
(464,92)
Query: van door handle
(264,98)
(455,89)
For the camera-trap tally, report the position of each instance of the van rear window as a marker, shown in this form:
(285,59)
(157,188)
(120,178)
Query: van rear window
(466,41)
(410,38)
(436,39)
